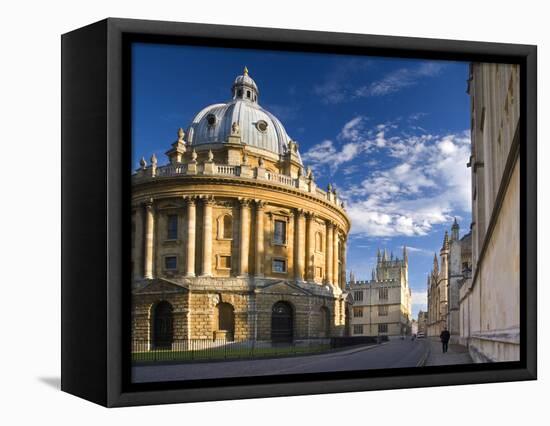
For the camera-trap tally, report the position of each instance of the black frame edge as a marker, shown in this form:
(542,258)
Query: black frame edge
(83,189)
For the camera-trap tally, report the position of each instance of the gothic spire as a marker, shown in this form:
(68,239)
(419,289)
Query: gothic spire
(405,255)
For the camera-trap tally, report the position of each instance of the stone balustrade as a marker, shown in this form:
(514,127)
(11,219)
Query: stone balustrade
(209,168)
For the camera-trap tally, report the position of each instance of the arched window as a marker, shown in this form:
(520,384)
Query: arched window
(226,319)
(248,94)
(225,227)
(162,326)
(318,242)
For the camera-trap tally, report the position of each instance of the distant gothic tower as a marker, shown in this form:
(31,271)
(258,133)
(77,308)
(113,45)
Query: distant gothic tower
(382,306)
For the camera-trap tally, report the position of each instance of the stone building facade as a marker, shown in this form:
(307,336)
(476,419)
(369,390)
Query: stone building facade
(438,291)
(489,303)
(449,273)
(382,306)
(232,239)
(422,322)
(460,268)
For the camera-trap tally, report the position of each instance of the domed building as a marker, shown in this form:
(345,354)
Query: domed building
(232,239)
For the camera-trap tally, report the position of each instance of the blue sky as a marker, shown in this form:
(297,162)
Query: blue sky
(392,135)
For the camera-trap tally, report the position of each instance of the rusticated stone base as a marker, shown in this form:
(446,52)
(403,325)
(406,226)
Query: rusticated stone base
(317,311)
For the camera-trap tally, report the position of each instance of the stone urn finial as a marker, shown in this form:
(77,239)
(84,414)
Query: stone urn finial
(143,163)
(181,135)
(154,159)
(194,155)
(210,155)
(261,162)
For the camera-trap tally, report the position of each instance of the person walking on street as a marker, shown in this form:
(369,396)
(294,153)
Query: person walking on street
(445,336)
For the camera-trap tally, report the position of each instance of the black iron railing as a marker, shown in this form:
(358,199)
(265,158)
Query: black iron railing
(203,349)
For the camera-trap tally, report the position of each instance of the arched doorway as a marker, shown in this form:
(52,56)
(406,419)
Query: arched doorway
(324,329)
(162,327)
(226,320)
(282,323)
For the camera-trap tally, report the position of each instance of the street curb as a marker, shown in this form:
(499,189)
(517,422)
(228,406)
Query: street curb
(353,351)
(423,360)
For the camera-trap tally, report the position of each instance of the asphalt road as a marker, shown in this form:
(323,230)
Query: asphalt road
(393,354)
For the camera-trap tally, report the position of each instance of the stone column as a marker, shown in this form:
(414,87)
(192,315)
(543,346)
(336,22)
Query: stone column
(207,237)
(335,267)
(329,253)
(310,217)
(244,237)
(300,242)
(191,234)
(259,232)
(149,232)
(343,266)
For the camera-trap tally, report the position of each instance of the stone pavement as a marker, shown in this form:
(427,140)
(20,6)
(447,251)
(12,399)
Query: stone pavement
(457,354)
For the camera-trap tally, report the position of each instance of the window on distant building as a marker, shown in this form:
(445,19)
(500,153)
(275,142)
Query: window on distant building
(382,328)
(358,296)
(172,228)
(357,312)
(358,329)
(383,294)
(170,263)
(279,232)
(279,266)
(383,311)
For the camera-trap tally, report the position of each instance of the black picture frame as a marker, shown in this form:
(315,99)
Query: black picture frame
(95,211)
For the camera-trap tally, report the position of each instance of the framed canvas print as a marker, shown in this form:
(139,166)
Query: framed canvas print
(252,212)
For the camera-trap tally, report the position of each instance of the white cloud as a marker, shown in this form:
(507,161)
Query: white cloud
(399,79)
(337,87)
(419,297)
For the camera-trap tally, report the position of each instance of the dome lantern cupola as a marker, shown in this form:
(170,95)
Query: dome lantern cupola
(244,87)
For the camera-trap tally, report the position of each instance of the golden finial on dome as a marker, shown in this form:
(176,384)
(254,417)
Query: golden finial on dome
(245,70)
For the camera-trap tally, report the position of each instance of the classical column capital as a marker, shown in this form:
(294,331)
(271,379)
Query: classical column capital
(244,202)
(260,204)
(310,215)
(148,204)
(299,212)
(190,199)
(329,224)
(207,199)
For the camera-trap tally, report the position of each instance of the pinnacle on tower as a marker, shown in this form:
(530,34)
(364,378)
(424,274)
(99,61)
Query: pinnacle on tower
(245,71)
(436,263)
(378,255)
(445,245)
(454,231)
(405,255)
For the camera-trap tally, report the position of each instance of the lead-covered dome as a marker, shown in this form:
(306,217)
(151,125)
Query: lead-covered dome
(257,127)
